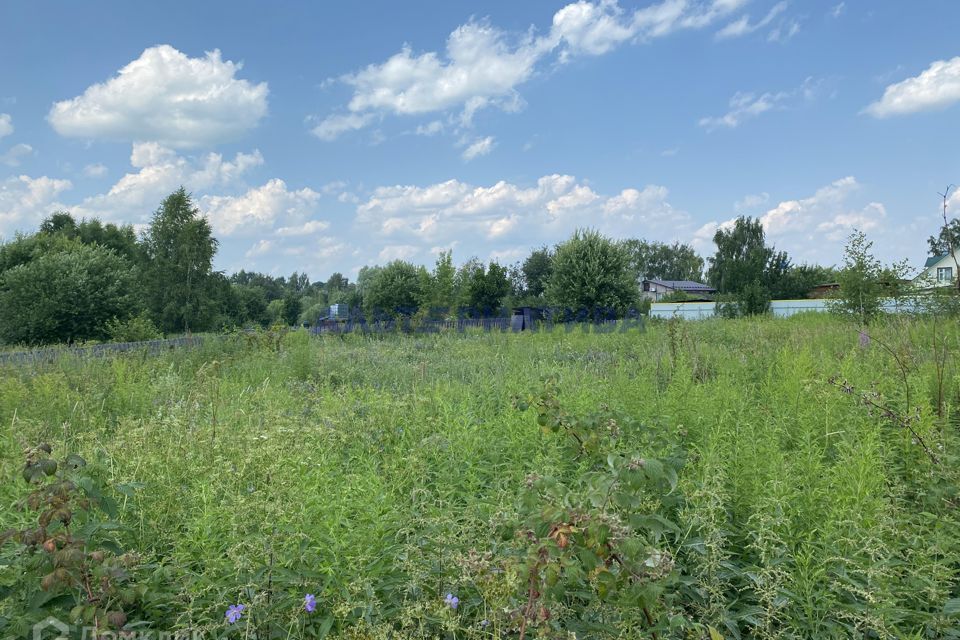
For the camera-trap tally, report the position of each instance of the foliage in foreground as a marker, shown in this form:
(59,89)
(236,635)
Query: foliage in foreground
(433,487)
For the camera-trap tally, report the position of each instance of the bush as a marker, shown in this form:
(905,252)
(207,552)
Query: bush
(136,329)
(68,295)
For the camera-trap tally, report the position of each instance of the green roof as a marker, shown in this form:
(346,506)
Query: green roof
(932,260)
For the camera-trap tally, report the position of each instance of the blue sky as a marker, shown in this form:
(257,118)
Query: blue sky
(320,137)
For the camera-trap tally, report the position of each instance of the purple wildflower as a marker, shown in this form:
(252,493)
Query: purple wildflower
(234,613)
(484,623)
(310,602)
(864,340)
(451,601)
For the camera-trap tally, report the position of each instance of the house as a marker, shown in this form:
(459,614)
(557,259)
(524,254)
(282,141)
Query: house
(656,289)
(938,271)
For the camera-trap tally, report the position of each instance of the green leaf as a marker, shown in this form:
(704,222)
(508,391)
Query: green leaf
(952,607)
(714,634)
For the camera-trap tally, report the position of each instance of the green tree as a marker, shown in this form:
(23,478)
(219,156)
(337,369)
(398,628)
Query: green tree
(179,265)
(591,274)
(948,236)
(798,281)
(536,270)
(122,239)
(291,308)
(443,293)
(741,258)
(486,290)
(660,261)
(392,290)
(864,281)
(65,295)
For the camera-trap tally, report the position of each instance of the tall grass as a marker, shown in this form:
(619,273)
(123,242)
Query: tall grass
(366,468)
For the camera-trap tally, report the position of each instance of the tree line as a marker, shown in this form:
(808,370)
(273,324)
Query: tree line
(74,281)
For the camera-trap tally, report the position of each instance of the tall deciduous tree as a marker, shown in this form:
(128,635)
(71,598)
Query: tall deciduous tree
(742,256)
(591,274)
(864,281)
(486,289)
(179,265)
(660,261)
(536,271)
(391,290)
(949,235)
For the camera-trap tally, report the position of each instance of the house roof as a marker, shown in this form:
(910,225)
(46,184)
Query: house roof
(683,285)
(932,260)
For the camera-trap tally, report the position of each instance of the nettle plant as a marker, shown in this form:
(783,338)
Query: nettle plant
(65,561)
(591,550)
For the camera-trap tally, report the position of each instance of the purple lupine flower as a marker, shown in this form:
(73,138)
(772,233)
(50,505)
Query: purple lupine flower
(452,601)
(310,602)
(864,340)
(234,613)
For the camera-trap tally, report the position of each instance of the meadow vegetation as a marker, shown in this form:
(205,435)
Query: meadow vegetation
(754,478)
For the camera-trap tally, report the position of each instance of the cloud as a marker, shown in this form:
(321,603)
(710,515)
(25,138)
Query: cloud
(480,147)
(332,127)
(813,228)
(746,106)
(6,125)
(751,201)
(11,157)
(742,26)
(167,97)
(397,252)
(97,170)
(261,247)
(482,66)
(784,31)
(937,87)
(307,228)
(258,208)
(432,128)
(838,10)
(160,171)
(25,201)
(440,214)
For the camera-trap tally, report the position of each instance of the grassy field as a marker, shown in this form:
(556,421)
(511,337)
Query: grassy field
(382,473)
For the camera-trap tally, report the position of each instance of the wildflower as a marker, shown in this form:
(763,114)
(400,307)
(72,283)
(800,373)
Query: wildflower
(864,340)
(484,623)
(234,613)
(451,601)
(309,602)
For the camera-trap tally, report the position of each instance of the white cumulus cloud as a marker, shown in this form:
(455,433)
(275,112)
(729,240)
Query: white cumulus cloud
(25,201)
(160,171)
(936,88)
(259,207)
(508,214)
(167,97)
(483,66)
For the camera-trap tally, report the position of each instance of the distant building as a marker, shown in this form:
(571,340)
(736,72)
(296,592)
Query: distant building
(824,290)
(656,289)
(938,271)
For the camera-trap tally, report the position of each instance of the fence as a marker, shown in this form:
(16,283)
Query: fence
(97,350)
(779,308)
